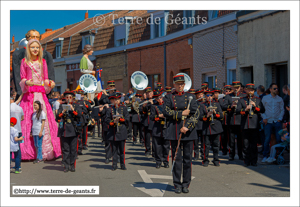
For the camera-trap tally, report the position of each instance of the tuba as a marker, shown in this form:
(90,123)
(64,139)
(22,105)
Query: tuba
(139,81)
(88,83)
(187,80)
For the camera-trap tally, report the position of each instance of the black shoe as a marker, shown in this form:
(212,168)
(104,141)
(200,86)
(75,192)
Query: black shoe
(114,168)
(254,164)
(85,148)
(66,170)
(217,164)
(106,161)
(196,158)
(205,164)
(185,190)
(178,190)
(147,154)
(202,157)
(123,168)
(158,166)
(72,169)
(80,153)
(166,165)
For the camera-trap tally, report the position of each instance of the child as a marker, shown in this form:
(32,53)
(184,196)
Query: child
(14,146)
(285,138)
(38,132)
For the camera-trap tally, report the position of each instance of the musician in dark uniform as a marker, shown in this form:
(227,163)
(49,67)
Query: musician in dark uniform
(136,122)
(204,86)
(147,123)
(212,127)
(159,86)
(86,108)
(95,111)
(168,89)
(226,103)
(117,132)
(161,145)
(235,123)
(199,99)
(67,131)
(216,93)
(250,108)
(176,105)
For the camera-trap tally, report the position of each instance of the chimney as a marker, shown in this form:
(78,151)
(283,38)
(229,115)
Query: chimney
(86,15)
(13,38)
(48,30)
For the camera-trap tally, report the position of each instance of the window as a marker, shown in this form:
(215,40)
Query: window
(231,70)
(121,30)
(212,14)
(188,19)
(153,79)
(58,88)
(186,71)
(87,40)
(211,79)
(58,50)
(158,27)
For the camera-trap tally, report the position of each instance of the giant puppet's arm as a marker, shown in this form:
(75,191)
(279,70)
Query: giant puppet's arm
(16,63)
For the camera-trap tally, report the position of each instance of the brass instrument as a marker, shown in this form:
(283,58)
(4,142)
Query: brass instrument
(250,111)
(211,108)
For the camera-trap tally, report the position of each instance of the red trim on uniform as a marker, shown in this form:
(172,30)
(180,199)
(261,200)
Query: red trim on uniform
(220,138)
(60,115)
(86,135)
(204,148)
(157,119)
(243,112)
(175,120)
(75,113)
(218,115)
(193,148)
(257,109)
(171,152)
(178,76)
(122,120)
(76,153)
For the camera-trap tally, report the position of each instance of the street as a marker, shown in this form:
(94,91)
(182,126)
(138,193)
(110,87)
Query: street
(142,179)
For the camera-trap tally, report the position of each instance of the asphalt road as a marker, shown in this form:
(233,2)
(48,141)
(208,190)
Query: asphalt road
(142,179)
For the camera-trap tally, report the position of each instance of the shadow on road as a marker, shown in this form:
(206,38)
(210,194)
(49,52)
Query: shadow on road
(277,187)
(108,166)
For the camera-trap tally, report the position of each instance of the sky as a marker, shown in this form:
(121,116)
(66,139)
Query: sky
(23,20)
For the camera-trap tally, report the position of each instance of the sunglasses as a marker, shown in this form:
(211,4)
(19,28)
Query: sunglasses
(275,88)
(208,95)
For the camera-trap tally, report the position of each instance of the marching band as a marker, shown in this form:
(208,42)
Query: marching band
(165,121)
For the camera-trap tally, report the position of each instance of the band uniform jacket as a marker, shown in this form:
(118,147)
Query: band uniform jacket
(18,55)
(225,104)
(86,108)
(146,116)
(208,128)
(250,121)
(199,123)
(136,116)
(159,126)
(235,118)
(112,134)
(70,118)
(175,104)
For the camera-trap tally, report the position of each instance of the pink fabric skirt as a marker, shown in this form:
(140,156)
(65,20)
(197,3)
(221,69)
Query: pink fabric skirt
(51,143)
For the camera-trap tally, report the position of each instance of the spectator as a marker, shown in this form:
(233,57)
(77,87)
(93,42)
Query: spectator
(261,91)
(17,112)
(286,101)
(38,123)
(55,103)
(272,117)
(14,144)
(285,138)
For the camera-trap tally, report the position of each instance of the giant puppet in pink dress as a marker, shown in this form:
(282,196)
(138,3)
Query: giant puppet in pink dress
(37,73)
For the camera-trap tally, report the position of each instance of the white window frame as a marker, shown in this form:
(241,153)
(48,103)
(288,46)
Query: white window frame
(230,66)
(162,28)
(91,39)
(58,51)
(212,14)
(214,75)
(185,15)
(121,21)
(58,42)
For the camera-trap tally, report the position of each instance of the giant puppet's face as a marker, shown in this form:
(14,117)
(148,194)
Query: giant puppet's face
(34,49)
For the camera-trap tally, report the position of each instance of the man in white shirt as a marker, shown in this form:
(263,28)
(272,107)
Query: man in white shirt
(272,117)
